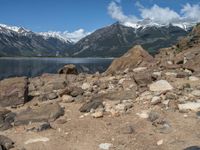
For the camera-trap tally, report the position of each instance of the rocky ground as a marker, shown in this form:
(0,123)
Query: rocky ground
(139,103)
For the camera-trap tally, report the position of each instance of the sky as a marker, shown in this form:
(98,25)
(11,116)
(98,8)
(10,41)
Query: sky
(80,17)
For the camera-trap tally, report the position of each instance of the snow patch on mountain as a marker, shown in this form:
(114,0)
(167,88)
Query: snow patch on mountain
(15,28)
(66,36)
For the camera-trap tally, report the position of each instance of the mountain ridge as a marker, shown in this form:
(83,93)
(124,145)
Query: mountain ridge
(109,41)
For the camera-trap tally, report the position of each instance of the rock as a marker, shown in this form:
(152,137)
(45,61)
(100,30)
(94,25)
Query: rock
(143,78)
(85,86)
(143,114)
(50,83)
(160,142)
(189,106)
(139,69)
(193,148)
(98,114)
(68,69)
(14,91)
(44,113)
(44,126)
(120,95)
(171,96)
(61,121)
(6,143)
(182,74)
(35,140)
(196,93)
(67,99)
(93,104)
(173,74)
(105,146)
(127,129)
(193,78)
(153,116)
(155,100)
(128,84)
(161,85)
(135,57)
(6,119)
(123,107)
(198,114)
(76,91)
(52,96)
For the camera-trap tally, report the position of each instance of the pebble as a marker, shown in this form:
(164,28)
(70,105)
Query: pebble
(155,100)
(35,140)
(98,114)
(143,114)
(193,78)
(105,146)
(67,99)
(160,142)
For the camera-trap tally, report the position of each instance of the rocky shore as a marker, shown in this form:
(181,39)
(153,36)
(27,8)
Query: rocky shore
(140,102)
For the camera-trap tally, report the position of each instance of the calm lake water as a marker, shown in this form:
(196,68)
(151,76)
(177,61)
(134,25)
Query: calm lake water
(11,67)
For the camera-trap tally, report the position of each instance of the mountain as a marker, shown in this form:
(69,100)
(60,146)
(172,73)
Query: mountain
(110,41)
(18,41)
(115,40)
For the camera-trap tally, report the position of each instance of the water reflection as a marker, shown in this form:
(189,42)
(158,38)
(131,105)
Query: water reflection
(10,67)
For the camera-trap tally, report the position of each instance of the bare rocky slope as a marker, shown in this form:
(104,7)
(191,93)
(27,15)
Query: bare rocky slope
(144,103)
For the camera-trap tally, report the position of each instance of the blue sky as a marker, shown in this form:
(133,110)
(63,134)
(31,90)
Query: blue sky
(71,15)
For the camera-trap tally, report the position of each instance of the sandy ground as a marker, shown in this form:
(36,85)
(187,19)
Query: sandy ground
(87,133)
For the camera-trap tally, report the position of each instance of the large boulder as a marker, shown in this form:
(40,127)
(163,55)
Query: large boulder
(6,143)
(68,69)
(43,113)
(47,85)
(159,86)
(6,119)
(135,57)
(13,91)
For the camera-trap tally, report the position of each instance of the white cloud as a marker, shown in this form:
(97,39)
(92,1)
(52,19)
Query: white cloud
(116,13)
(76,35)
(162,15)
(191,12)
(159,14)
(66,35)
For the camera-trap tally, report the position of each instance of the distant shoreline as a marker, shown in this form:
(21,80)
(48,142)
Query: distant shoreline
(35,57)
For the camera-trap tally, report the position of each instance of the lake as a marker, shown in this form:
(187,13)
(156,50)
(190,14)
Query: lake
(31,67)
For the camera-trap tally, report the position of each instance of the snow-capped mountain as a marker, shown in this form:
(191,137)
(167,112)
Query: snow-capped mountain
(14,28)
(150,23)
(18,41)
(116,39)
(57,35)
(110,41)
(66,36)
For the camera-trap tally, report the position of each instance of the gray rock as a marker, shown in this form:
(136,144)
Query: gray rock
(143,78)
(161,85)
(14,91)
(196,93)
(153,116)
(93,104)
(44,113)
(68,69)
(77,91)
(155,100)
(127,129)
(6,143)
(44,126)
(189,106)
(52,96)
(192,148)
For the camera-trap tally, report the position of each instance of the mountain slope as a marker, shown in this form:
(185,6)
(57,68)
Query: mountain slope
(16,41)
(115,40)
